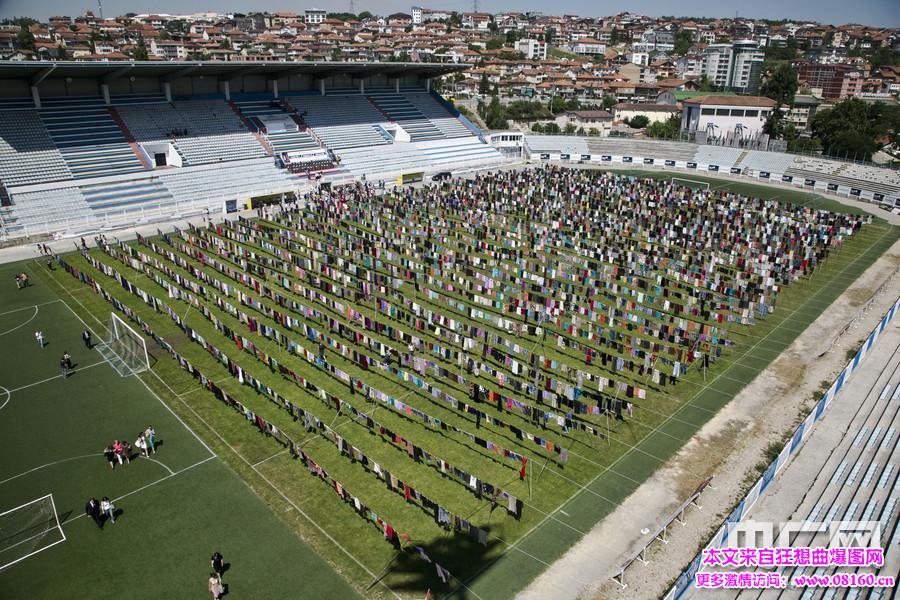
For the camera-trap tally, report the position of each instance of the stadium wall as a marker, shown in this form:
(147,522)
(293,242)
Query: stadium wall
(684,584)
(819,185)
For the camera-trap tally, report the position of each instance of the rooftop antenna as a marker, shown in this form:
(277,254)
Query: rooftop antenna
(100,4)
(474,5)
(353,7)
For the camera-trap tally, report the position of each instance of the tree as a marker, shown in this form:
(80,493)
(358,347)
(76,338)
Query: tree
(537,128)
(512,36)
(684,39)
(140,49)
(495,43)
(666,130)
(781,86)
(609,101)
(336,55)
(25,39)
(570,128)
(484,85)
(774,125)
(854,129)
(494,116)
(639,122)
(705,85)
(551,127)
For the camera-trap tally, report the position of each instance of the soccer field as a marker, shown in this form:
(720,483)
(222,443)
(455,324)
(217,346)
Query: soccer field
(175,289)
(177,507)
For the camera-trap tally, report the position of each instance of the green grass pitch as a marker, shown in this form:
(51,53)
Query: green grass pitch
(308,543)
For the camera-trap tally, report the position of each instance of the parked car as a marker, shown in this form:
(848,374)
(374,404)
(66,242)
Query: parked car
(442,176)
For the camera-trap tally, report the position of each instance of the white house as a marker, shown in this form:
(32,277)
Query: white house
(654,112)
(717,116)
(416,14)
(587,45)
(314,16)
(532,49)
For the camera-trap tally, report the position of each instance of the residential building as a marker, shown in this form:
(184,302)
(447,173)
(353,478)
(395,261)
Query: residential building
(735,67)
(654,112)
(802,112)
(532,49)
(832,82)
(416,14)
(314,16)
(587,45)
(587,120)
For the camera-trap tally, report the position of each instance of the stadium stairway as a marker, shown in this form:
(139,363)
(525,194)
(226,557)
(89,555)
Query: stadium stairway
(281,141)
(252,128)
(114,114)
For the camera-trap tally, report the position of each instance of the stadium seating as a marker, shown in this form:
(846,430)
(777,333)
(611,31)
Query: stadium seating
(723,156)
(43,211)
(658,149)
(88,139)
(885,181)
(426,156)
(342,121)
(214,133)
(210,187)
(435,112)
(773,162)
(400,110)
(27,152)
(558,143)
(119,195)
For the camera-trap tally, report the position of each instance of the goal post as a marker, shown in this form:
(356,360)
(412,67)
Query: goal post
(694,183)
(128,346)
(28,529)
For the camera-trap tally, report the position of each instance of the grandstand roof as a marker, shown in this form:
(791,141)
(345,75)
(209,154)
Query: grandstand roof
(40,70)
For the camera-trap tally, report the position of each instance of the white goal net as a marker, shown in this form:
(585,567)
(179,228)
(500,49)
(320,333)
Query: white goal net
(128,347)
(693,183)
(29,529)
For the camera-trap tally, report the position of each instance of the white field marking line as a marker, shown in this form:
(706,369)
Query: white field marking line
(7,312)
(24,387)
(238,454)
(49,464)
(148,485)
(163,465)
(8,396)
(62,460)
(270,458)
(514,545)
(281,493)
(144,383)
(21,325)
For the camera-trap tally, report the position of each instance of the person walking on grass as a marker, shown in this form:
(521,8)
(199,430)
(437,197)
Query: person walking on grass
(92,509)
(86,338)
(39,337)
(109,509)
(150,438)
(110,456)
(215,586)
(218,564)
(65,364)
(141,444)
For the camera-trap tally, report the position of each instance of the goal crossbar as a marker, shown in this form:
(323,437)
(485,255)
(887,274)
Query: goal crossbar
(691,182)
(56,527)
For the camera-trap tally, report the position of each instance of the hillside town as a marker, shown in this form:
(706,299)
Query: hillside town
(597,76)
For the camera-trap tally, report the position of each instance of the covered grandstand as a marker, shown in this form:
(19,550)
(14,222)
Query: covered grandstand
(87,146)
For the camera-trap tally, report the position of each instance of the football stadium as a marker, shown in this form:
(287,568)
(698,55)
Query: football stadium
(309,316)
